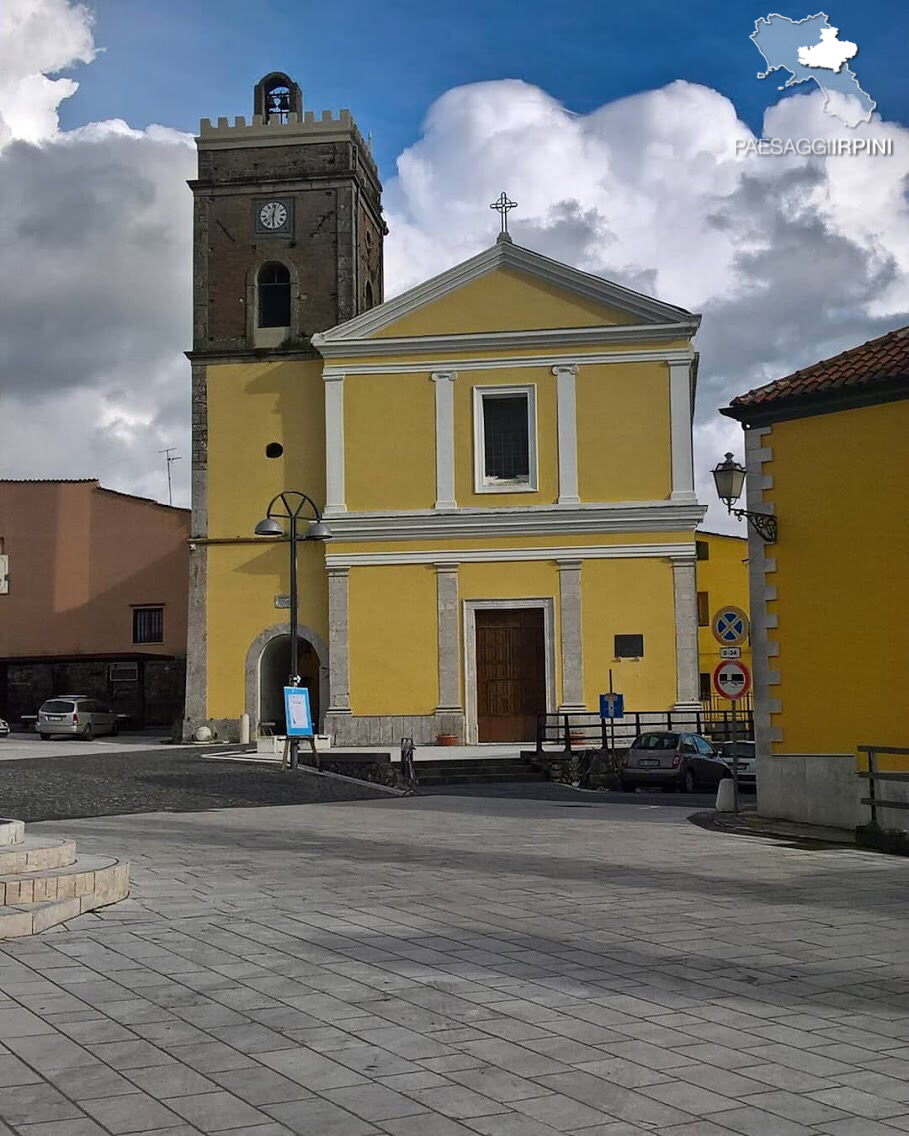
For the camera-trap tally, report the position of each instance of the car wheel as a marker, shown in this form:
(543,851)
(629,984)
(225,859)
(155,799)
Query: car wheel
(44,737)
(688,782)
(88,733)
(115,729)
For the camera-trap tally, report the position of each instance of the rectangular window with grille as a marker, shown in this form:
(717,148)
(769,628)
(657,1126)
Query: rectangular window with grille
(148,624)
(705,686)
(629,646)
(505,430)
(703,609)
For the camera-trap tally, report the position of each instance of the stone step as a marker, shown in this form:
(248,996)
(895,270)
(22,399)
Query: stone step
(99,879)
(11,831)
(35,854)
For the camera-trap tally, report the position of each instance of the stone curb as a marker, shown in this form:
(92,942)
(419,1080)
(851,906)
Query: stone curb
(753,825)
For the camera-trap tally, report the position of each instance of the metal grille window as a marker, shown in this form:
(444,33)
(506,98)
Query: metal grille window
(148,624)
(505,439)
(629,646)
(274,296)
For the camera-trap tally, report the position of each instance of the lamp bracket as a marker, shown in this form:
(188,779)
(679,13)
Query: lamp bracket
(764,524)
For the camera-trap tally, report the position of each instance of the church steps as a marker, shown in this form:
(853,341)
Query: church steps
(43,883)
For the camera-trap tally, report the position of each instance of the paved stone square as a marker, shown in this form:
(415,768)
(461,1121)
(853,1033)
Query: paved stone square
(460,965)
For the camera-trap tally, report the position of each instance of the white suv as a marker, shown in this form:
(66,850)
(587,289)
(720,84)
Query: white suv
(75,715)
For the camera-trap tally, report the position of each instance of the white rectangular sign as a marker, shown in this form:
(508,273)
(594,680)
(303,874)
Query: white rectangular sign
(730,652)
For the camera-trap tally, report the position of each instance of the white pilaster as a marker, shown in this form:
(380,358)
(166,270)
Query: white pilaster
(449,638)
(567,433)
(335,501)
(445,479)
(684,583)
(680,422)
(338,641)
(572,640)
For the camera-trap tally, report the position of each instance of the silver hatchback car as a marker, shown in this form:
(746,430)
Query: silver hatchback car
(75,715)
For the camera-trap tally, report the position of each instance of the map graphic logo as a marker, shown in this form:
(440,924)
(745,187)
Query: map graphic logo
(811,49)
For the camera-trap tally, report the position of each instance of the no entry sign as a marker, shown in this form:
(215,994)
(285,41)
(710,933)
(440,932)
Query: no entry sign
(732,680)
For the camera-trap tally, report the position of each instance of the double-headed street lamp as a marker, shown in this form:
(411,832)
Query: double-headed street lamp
(290,505)
(729,477)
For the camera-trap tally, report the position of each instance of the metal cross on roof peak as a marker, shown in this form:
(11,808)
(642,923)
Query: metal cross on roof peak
(502,206)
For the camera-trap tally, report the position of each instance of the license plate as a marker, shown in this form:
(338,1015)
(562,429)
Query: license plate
(55,717)
(648,763)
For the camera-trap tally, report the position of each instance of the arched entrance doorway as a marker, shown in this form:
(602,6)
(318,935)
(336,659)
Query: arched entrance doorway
(268,665)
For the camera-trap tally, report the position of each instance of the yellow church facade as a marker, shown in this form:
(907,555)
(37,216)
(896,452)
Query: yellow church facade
(504,458)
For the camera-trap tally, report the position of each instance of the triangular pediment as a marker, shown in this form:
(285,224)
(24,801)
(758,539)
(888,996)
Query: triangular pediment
(508,290)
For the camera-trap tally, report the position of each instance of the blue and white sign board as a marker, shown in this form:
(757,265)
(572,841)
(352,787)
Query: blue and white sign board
(297,712)
(612,705)
(730,626)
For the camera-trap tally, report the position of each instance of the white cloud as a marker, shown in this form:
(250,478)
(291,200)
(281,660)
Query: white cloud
(37,39)
(789,259)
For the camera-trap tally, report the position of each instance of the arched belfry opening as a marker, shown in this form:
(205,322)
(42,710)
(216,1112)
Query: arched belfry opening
(276,97)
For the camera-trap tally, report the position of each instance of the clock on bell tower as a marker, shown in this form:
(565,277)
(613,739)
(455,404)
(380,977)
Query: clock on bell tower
(288,227)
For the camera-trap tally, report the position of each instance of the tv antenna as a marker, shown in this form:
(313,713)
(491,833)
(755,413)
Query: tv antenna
(170,459)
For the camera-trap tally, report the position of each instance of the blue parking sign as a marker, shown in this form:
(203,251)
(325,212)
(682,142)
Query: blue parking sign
(612,705)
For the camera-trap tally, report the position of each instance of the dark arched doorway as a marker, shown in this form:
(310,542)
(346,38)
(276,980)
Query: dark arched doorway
(274,668)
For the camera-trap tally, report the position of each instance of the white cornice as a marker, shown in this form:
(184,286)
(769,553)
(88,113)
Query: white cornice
(668,355)
(529,520)
(505,254)
(503,340)
(572,553)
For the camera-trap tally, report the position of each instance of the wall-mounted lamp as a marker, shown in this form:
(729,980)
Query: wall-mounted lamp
(729,477)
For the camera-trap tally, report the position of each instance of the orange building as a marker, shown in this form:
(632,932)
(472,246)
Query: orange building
(93,599)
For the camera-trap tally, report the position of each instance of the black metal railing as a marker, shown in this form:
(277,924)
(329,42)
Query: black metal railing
(874,776)
(587,730)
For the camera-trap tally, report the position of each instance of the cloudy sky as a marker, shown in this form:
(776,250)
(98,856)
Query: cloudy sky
(615,133)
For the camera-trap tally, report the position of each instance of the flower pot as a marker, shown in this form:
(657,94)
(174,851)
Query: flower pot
(446,739)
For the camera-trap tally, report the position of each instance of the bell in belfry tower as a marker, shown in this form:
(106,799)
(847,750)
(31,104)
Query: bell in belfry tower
(276,97)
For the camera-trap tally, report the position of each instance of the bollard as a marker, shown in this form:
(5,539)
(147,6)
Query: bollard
(244,729)
(725,796)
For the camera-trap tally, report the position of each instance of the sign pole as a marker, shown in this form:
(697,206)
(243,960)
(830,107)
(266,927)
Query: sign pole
(611,723)
(735,764)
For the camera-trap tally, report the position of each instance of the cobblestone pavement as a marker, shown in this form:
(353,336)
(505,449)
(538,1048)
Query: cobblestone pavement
(176,779)
(454,966)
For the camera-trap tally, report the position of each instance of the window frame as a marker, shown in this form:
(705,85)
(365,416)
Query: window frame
(261,296)
(142,608)
(481,482)
(628,635)
(703,608)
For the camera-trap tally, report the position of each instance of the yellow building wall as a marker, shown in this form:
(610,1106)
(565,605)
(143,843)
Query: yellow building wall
(243,580)
(393,638)
(250,405)
(628,597)
(841,491)
(505,300)
(389,442)
(623,432)
(724,577)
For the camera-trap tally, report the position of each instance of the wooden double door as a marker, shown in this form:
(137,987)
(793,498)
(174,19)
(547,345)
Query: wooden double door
(511,673)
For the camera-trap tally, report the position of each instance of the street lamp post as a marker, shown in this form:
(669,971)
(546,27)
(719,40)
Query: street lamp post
(729,478)
(289,505)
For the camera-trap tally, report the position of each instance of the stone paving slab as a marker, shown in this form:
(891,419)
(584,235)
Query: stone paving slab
(461,965)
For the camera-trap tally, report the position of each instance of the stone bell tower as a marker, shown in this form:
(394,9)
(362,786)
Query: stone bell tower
(288,226)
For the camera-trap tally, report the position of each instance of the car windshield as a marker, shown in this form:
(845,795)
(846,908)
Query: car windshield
(656,741)
(55,706)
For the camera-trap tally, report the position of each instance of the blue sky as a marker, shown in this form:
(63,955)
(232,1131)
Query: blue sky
(171,62)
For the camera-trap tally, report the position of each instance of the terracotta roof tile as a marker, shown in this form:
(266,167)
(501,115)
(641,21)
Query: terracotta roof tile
(880,362)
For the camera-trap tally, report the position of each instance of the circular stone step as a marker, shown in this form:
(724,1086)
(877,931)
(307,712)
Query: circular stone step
(35,854)
(11,831)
